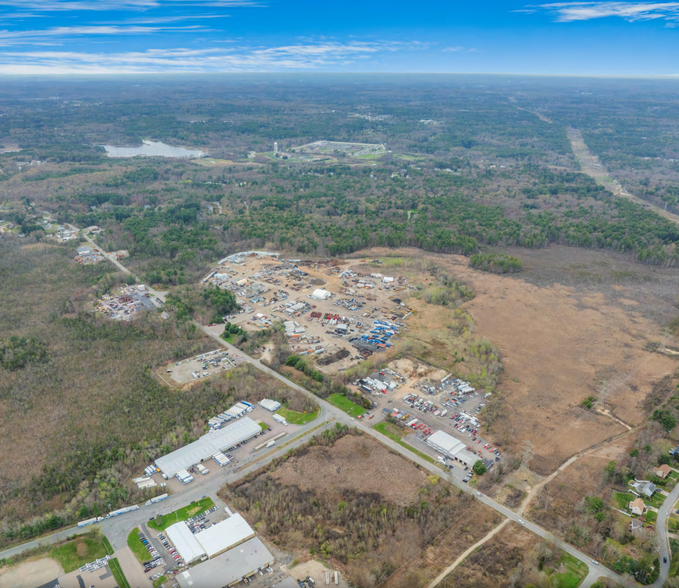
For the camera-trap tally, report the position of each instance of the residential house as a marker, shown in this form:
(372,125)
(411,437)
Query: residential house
(662,471)
(635,526)
(644,488)
(637,506)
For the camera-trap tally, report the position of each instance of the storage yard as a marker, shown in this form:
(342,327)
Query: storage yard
(330,309)
(199,367)
(128,303)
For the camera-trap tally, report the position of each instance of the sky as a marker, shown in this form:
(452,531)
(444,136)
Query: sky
(395,36)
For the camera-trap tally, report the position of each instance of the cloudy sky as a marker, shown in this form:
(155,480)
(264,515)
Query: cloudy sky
(141,36)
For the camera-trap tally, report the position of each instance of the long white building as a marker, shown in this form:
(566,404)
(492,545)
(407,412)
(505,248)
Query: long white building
(209,444)
(452,447)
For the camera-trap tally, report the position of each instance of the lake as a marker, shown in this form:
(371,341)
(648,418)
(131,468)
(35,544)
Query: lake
(152,149)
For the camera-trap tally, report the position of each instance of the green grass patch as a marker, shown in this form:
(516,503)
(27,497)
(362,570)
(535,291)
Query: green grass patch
(343,403)
(183,514)
(656,500)
(117,571)
(230,338)
(159,581)
(297,418)
(651,516)
(622,499)
(107,545)
(384,428)
(569,572)
(77,552)
(264,426)
(137,547)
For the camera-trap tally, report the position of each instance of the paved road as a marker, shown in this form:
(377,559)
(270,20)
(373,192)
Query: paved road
(661,535)
(118,528)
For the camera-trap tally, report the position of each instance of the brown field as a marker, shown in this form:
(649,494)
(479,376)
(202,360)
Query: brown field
(572,322)
(30,574)
(509,559)
(345,503)
(354,463)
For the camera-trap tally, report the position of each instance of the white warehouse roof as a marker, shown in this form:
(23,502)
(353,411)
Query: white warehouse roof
(209,444)
(445,443)
(320,294)
(185,542)
(228,568)
(225,535)
(452,447)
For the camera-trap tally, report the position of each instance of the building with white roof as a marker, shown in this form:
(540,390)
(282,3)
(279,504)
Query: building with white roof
(209,444)
(452,447)
(185,542)
(320,294)
(228,568)
(225,535)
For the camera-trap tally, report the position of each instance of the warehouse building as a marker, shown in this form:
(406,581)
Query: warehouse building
(212,542)
(271,405)
(452,448)
(205,447)
(228,568)
(185,542)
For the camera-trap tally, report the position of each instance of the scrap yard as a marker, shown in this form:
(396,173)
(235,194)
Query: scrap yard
(128,303)
(338,310)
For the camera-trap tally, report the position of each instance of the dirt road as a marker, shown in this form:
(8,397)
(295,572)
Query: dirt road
(590,165)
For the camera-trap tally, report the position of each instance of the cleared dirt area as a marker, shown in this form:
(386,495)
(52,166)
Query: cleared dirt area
(30,574)
(357,463)
(316,571)
(576,322)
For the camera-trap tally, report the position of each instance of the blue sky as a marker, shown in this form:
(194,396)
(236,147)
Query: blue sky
(143,36)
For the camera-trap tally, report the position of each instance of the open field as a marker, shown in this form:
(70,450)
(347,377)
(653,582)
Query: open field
(346,405)
(514,558)
(30,574)
(76,553)
(297,418)
(183,514)
(324,498)
(574,323)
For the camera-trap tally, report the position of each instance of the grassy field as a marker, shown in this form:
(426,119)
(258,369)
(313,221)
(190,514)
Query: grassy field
(159,581)
(78,552)
(574,572)
(137,547)
(623,499)
(117,572)
(343,403)
(183,514)
(297,418)
(395,434)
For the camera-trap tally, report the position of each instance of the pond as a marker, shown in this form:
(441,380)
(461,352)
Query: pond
(152,149)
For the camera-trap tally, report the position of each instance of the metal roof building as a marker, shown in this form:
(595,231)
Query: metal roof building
(209,444)
(225,535)
(452,447)
(185,542)
(228,568)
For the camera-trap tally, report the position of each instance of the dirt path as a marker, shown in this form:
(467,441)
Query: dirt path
(590,165)
(469,551)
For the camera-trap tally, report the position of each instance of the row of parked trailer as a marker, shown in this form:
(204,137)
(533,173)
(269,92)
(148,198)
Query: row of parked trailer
(97,564)
(236,411)
(113,513)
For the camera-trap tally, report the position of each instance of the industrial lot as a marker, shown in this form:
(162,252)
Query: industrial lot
(329,309)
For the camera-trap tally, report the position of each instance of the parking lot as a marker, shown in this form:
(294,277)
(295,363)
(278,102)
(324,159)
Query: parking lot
(199,367)
(329,307)
(425,400)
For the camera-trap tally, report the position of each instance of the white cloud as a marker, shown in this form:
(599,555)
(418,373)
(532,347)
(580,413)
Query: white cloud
(458,49)
(119,5)
(630,11)
(222,59)
(31,37)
